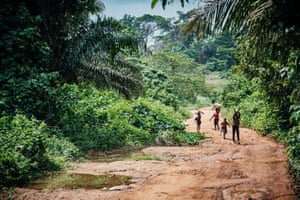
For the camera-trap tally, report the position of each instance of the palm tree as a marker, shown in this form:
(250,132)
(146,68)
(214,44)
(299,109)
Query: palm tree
(97,55)
(88,50)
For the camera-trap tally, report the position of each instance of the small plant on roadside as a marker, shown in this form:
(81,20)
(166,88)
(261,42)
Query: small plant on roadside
(190,138)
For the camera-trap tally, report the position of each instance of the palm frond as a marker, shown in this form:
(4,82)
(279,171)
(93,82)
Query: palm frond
(249,18)
(97,56)
(104,77)
(260,10)
(164,3)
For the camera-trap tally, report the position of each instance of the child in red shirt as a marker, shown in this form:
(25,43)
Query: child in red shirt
(216,119)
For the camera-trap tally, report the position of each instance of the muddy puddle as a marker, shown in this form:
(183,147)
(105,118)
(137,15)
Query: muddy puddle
(91,181)
(76,181)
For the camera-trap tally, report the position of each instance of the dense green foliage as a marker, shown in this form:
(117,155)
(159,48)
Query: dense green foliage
(102,121)
(248,97)
(28,149)
(164,34)
(24,85)
(214,53)
(173,77)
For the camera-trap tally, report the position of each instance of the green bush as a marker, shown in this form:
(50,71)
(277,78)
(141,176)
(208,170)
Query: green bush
(293,151)
(26,82)
(59,150)
(183,137)
(27,150)
(155,117)
(104,120)
(255,111)
(190,138)
(22,149)
(82,116)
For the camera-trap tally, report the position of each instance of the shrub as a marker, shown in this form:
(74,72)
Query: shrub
(22,149)
(96,120)
(59,149)
(26,146)
(155,117)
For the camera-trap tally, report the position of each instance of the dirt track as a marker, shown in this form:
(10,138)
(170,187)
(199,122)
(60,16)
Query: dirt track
(216,169)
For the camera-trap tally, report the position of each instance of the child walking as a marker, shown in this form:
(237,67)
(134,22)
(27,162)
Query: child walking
(224,125)
(198,120)
(216,119)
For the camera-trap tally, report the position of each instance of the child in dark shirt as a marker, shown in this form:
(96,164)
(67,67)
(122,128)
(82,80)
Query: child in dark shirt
(235,125)
(224,125)
(198,120)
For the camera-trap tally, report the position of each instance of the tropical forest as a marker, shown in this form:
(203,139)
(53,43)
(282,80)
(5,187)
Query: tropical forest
(80,91)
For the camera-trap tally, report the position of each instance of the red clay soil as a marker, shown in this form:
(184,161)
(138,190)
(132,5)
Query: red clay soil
(215,169)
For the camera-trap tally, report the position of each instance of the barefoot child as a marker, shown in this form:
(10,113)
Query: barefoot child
(198,120)
(224,125)
(216,119)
